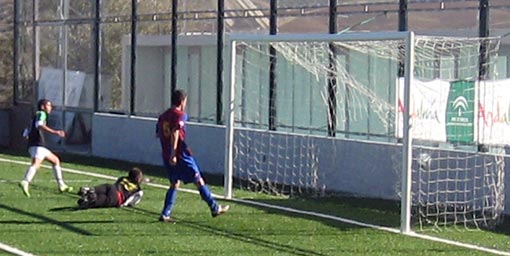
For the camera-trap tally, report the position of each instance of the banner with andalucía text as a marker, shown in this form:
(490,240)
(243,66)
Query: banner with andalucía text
(458,111)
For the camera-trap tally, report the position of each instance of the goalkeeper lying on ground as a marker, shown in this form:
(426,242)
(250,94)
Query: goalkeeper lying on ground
(126,191)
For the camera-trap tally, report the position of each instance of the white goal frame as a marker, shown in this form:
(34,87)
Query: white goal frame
(407,36)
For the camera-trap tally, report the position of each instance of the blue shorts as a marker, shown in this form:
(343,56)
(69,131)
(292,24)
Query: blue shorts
(186,170)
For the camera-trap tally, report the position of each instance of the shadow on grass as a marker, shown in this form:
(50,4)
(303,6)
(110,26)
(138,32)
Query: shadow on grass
(384,213)
(16,222)
(371,211)
(243,237)
(504,227)
(44,219)
(65,209)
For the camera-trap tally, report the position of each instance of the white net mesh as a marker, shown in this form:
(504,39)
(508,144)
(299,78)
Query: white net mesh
(454,187)
(453,183)
(276,163)
(282,134)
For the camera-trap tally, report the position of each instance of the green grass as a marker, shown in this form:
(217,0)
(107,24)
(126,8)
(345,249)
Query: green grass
(47,224)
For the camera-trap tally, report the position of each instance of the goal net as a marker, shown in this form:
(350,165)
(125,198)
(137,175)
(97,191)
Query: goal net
(377,115)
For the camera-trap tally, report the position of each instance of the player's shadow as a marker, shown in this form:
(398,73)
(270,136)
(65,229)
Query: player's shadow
(65,209)
(45,220)
(504,226)
(243,237)
(16,222)
(355,212)
(335,209)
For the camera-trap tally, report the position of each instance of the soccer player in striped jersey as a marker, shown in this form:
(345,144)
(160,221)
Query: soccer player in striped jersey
(177,158)
(39,152)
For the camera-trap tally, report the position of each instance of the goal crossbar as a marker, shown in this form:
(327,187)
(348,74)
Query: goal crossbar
(354,36)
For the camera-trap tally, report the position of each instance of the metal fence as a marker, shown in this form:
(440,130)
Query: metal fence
(127,56)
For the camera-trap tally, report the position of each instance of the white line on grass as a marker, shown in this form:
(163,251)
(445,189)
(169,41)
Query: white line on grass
(315,214)
(13,250)
(366,225)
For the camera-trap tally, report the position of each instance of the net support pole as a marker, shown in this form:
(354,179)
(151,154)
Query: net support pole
(36,50)
(219,60)
(332,78)
(405,214)
(272,66)
(132,87)
(97,53)
(229,129)
(483,59)
(173,45)
(15,53)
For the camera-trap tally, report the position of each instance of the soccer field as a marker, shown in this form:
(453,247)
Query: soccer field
(48,224)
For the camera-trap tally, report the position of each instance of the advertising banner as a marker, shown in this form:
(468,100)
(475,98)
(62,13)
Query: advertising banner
(463,112)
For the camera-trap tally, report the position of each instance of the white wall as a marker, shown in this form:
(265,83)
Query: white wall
(125,138)
(348,166)
(133,139)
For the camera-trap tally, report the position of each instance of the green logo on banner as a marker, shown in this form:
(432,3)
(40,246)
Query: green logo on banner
(460,112)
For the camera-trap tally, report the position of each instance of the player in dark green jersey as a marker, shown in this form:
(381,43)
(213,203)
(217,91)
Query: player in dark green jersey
(39,152)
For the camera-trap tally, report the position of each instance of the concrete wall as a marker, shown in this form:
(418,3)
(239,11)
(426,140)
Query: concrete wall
(133,139)
(342,165)
(125,138)
(348,166)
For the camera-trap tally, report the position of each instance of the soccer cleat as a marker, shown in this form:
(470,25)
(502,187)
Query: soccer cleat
(65,188)
(24,186)
(134,199)
(220,210)
(166,219)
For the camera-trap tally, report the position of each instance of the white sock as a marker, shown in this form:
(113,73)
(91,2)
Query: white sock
(30,173)
(57,171)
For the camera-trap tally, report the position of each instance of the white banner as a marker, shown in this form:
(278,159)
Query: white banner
(494,112)
(428,110)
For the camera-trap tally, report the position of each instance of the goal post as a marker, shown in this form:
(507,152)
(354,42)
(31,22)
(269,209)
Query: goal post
(407,37)
(395,134)
(405,201)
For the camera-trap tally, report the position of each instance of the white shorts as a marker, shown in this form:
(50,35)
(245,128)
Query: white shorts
(39,152)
